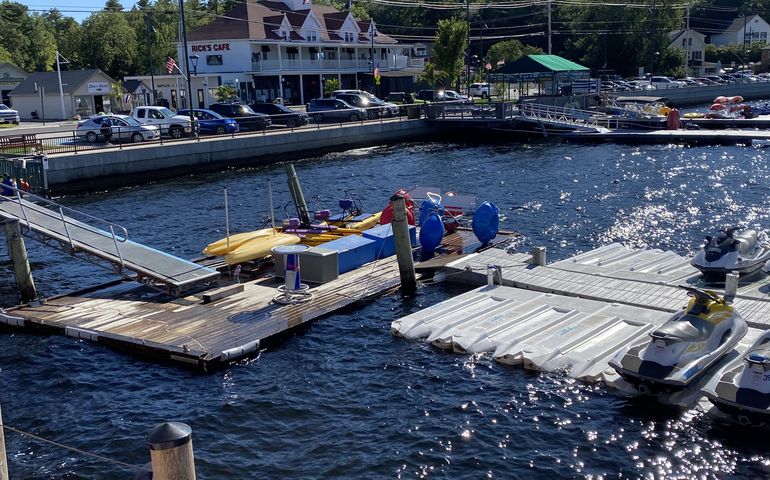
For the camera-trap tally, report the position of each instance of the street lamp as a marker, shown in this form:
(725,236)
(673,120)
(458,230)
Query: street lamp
(238,89)
(194,62)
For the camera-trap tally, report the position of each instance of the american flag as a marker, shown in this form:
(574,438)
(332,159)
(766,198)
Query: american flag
(170,65)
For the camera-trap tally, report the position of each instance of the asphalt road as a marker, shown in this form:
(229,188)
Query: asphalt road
(39,128)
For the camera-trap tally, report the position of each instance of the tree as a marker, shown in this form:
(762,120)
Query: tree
(428,76)
(509,51)
(224,93)
(108,42)
(449,49)
(331,85)
(5,55)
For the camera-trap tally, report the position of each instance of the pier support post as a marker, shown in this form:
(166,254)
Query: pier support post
(171,451)
(538,256)
(18,253)
(731,286)
(403,245)
(3,459)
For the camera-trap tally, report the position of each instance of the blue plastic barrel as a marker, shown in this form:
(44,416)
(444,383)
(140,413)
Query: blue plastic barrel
(486,221)
(431,233)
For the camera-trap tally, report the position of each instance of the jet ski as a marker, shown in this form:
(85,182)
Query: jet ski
(681,349)
(730,251)
(742,387)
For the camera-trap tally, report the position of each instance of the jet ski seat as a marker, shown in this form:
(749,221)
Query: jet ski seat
(746,240)
(685,330)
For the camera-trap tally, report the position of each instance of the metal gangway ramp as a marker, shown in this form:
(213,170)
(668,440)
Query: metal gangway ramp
(564,117)
(103,243)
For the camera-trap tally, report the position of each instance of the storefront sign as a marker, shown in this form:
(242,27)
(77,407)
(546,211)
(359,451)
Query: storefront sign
(98,87)
(211,47)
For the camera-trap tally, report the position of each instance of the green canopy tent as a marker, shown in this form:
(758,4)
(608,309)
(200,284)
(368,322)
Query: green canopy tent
(542,69)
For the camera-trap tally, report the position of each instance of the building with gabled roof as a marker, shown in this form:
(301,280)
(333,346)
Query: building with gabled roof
(83,92)
(694,46)
(743,30)
(268,49)
(10,77)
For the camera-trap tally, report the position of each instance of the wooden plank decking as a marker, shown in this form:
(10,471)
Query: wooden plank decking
(144,321)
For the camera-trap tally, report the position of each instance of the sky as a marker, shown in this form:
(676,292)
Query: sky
(78,9)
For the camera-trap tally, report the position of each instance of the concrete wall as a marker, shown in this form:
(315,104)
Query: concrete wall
(130,165)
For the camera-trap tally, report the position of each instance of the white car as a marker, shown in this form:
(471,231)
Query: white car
(167,121)
(123,127)
(483,90)
(7,115)
(665,82)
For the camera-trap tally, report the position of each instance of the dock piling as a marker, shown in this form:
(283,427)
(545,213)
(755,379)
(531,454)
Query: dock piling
(171,451)
(731,286)
(3,459)
(18,253)
(403,245)
(538,256)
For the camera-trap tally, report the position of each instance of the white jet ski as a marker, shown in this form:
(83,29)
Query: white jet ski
(730,251)
(681,349)
(742,387)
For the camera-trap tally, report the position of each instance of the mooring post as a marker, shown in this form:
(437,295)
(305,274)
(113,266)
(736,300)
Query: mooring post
(171,451)
(18,253)
(731,286)
(403,245)
(3,460)
(538,256)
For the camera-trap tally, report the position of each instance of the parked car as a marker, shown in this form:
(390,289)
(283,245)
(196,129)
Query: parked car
(280,114)
(483,90)
(387,109)
(706,81)
(211,122)
(8,115)
(665,82)
(247,118)
(123,127)
(321,109)
(358,99)
(167,121)
(400,97)
(452,96)
(431,95)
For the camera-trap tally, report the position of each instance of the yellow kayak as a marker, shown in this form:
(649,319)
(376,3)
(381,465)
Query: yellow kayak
(259,247)
(366,224)
(220,246)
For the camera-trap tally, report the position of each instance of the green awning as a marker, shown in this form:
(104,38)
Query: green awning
(541,64)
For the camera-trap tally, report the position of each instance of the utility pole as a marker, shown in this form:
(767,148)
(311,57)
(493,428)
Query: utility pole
(688,39)
(150,39)
(549,26)
(187,67)
(468,48)
(61,88)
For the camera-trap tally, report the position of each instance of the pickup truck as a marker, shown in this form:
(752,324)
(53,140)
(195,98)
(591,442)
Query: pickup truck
(7,115)
(167,121)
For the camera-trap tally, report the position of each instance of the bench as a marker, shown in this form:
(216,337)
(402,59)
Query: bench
(24,143)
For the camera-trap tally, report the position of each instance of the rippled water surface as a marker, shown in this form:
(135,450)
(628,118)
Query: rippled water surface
(345,399)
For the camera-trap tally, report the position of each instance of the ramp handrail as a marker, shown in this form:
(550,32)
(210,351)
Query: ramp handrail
(556,114)
(55,211)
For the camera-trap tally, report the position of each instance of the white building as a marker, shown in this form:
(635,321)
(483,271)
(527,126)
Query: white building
(694,46)
(289,49)
(746,30)
(10,77)
(83,92)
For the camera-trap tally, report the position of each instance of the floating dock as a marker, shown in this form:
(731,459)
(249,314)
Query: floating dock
(684,137)
(572,315)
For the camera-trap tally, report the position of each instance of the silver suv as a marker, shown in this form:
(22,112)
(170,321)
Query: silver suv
(483,90)
(321,109)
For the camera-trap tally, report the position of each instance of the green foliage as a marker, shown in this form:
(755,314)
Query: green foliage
(224,93)
(108,42)
(331,85)
(449,49)
(5,55)
(428,76)
(730,55)
(510,50)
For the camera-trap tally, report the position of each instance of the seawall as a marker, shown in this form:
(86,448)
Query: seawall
(108,168)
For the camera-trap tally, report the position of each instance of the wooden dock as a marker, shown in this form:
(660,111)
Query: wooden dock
(195,330)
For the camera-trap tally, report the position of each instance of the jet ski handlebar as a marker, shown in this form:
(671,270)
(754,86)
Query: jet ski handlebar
(702,296)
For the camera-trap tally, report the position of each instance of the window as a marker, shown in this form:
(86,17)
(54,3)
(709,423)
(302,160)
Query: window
(696,55)
(312,36)
(255,57)
(213,59)
(348,37)
(763,36)
(140,113)
(285,35)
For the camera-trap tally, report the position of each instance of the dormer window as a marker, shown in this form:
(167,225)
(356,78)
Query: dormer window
(312,36)
(348,37)
(285,35)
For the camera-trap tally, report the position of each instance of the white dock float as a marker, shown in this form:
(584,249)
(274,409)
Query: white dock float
(573,315)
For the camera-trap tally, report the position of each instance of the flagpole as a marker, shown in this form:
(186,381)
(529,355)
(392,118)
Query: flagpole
(61,89)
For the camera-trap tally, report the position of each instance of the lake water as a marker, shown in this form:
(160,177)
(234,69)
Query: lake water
(345,399)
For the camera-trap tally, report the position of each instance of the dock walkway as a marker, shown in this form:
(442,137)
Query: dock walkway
(200,330)
(46,222)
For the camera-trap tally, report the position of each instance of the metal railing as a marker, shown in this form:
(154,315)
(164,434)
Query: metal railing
(563,115)
(56,213)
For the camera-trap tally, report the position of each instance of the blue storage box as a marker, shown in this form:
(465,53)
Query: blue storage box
(353,251)
(385,245)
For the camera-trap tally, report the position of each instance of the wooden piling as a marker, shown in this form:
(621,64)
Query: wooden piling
(171,451)
(403,245)
(3,459)
(18,253)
